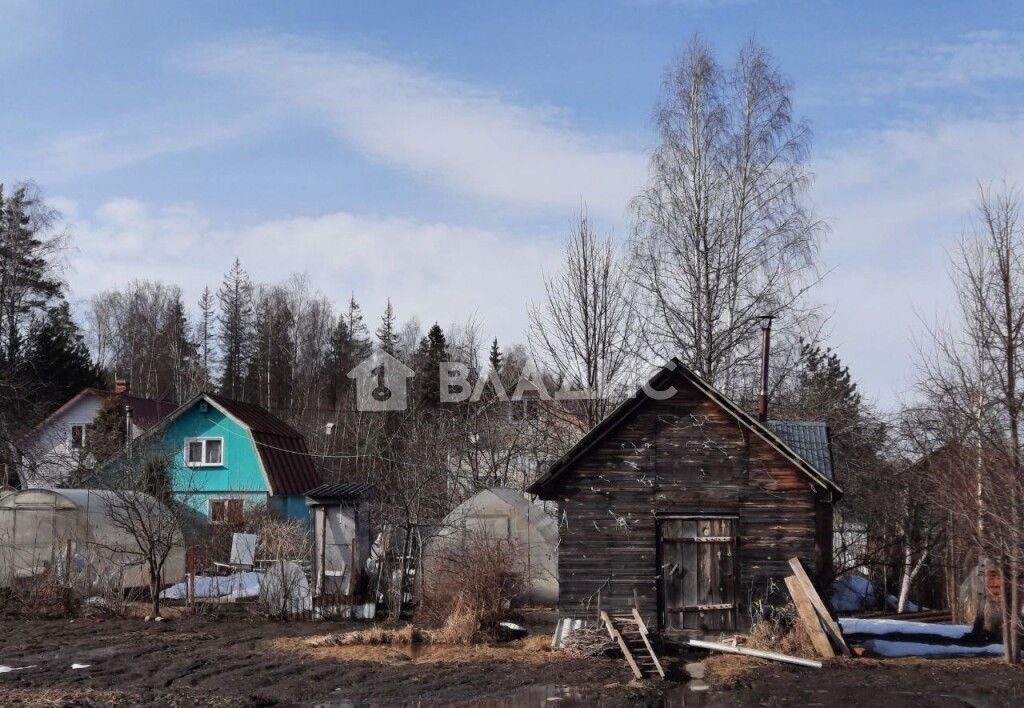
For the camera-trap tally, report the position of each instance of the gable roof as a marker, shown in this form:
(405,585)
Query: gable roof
(640,399)
(280,448)
(146,412)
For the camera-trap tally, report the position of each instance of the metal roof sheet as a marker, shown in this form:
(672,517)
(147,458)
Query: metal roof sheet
(809,439)
(339,491)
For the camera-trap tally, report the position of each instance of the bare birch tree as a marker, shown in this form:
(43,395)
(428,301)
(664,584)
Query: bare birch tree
(723,231)
(973,381)
(585,329)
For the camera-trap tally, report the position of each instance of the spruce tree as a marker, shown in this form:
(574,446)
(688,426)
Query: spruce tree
(235,319)
(104,439)
(495,358)
(387,334)
(357,331)
(179,356)
(432,351)
(56,358)
(204,335)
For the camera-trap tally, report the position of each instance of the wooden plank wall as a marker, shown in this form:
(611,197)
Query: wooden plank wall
(680,456)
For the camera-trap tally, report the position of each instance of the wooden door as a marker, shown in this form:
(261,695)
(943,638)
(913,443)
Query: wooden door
(698,573)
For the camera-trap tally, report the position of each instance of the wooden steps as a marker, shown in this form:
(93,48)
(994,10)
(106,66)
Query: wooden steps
(631,634)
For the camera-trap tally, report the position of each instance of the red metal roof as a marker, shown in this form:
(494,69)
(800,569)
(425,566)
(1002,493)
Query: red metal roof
(282,449)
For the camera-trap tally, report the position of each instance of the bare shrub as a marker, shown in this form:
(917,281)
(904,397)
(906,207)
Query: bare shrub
(44,596)
(471,586)
(776,626)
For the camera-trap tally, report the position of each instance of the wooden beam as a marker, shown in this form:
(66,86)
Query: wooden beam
(642,627)
(614,634)
(835,633)
(809,618)
(798,661)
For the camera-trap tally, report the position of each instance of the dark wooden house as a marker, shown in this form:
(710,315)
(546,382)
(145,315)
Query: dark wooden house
(688,506)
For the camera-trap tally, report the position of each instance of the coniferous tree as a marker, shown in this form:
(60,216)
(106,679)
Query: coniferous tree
(494,358)
(357,331)
(104,439)
(387,333)
(236,324)
(57,358)
(432,351)
(179,354)
(204,335)
(28,283)
(339,363)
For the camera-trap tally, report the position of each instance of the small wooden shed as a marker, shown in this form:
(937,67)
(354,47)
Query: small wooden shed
(341,532)
(682,503)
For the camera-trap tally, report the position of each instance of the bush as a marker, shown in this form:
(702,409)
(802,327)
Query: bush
(471,586)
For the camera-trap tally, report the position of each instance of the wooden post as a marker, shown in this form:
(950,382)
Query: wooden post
(800,575)
(321,576)
(68,558)
(809,618)
(190,590)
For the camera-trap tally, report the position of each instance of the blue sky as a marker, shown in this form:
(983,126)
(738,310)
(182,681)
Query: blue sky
(435,152)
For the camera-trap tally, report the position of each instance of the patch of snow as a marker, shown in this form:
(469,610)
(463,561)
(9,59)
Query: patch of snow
(884,647)
(80,666)
(237,586)
(854,592)
(9,669)
(513,626)
(857,625)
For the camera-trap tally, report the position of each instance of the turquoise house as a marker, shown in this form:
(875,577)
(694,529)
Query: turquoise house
(229,456)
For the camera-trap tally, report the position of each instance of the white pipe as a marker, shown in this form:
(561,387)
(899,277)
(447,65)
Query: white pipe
(811,663)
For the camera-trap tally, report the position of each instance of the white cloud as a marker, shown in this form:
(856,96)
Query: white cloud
(141,137)
(430,270)
(466,138)
(897,200)
(971,60)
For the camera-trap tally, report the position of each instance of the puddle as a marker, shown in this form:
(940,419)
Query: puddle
(542,695)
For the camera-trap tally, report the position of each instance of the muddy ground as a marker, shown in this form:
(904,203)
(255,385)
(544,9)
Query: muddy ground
(239,662)
(892,683)
(197,661)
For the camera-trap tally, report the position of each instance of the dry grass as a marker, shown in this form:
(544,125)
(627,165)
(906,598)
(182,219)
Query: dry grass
(781,632)
(532,650)
(724,671)
(794,641)
(374,636)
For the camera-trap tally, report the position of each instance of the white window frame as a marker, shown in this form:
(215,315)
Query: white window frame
(211,501)
(71,435)
(203,440)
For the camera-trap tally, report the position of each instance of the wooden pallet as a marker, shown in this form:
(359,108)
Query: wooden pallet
(631,634)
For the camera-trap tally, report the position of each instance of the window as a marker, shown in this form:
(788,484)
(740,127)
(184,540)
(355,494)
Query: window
(204,452)
(77,437)
(226,511)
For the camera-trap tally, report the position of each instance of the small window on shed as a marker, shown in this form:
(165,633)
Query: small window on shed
(77,437)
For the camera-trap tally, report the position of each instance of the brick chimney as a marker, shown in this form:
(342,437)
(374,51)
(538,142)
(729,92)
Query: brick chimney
(120,386)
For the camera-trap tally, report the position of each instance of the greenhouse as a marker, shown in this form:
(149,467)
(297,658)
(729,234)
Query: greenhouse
(73,534)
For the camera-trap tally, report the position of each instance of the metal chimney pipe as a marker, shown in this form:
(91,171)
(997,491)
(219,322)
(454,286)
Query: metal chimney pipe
(766,342)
